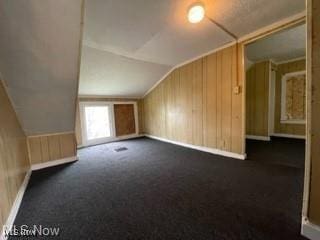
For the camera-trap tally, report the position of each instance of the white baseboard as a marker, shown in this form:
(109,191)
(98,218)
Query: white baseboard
(53,163)
(288,135)
(310,230)
(15,207)
(200,148)
(261,138)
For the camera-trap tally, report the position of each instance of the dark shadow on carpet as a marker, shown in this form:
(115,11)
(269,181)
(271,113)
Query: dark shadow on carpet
(156,190)
(281,151)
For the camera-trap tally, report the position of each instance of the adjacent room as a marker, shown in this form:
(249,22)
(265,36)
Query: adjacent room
(276,97)
(172,119)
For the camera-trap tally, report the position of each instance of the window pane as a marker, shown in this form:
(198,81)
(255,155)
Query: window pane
(97,122)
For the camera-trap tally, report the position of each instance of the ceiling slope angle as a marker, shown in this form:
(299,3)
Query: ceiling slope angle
(39,61)
(131,45)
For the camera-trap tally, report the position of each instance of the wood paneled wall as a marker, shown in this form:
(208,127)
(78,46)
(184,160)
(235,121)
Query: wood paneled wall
(14,162)
(140,106)
(196,103)
(51,147)
(257,99)
(292,129)
(314,206)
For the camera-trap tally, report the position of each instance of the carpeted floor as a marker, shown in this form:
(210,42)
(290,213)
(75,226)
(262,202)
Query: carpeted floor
(156,190)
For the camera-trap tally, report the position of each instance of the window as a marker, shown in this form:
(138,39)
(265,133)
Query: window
(293,98)
(97,122)
(103,122)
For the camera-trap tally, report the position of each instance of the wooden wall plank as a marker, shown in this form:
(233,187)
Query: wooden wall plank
(226,98)
(44,149)
(168,101)
(257,96)
(197,103)
(140,116)
(185,102)
(35,150)
(162,111)
(220,143)
(210,98)
(54,147)
(67,145)
(176,117)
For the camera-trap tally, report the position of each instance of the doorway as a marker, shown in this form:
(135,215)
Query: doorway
(276,89)
(275,68)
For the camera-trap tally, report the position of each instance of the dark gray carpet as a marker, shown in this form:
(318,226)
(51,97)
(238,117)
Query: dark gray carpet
(156,190)
(281,151)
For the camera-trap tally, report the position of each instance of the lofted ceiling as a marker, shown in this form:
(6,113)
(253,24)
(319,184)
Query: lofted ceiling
(130,45)
(282,46)
(39,61)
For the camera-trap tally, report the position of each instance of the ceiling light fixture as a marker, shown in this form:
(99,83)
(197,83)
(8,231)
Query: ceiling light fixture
(196,13)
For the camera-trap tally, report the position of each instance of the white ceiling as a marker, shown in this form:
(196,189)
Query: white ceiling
(39,52)
(132,74)
(281,46)
(130,45)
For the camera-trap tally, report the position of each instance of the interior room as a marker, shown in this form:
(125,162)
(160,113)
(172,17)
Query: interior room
(172,119)
(276,97)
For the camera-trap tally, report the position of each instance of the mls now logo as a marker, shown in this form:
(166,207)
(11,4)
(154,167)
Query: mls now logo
(30,231)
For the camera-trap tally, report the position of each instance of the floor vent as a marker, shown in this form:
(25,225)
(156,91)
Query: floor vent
(120,149)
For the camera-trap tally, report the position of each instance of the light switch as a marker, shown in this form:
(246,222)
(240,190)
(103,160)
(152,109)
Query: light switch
(236,90)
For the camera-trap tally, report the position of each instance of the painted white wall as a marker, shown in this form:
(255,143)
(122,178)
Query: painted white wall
(39,50)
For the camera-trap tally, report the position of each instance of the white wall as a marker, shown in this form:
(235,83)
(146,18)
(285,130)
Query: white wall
(39,50)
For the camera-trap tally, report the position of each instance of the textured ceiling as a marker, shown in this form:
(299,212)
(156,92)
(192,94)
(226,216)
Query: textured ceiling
(39,51)
(281,46)
(150,37)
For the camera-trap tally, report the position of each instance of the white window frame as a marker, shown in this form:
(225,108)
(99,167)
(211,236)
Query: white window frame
(85,139)
(113,137)
(284,79)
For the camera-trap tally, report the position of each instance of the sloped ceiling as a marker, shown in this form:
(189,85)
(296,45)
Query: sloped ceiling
(39,51)
(282,46)
(130,45)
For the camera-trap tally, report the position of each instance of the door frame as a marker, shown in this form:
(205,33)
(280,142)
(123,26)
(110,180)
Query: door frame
(243,41)
(294,21)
